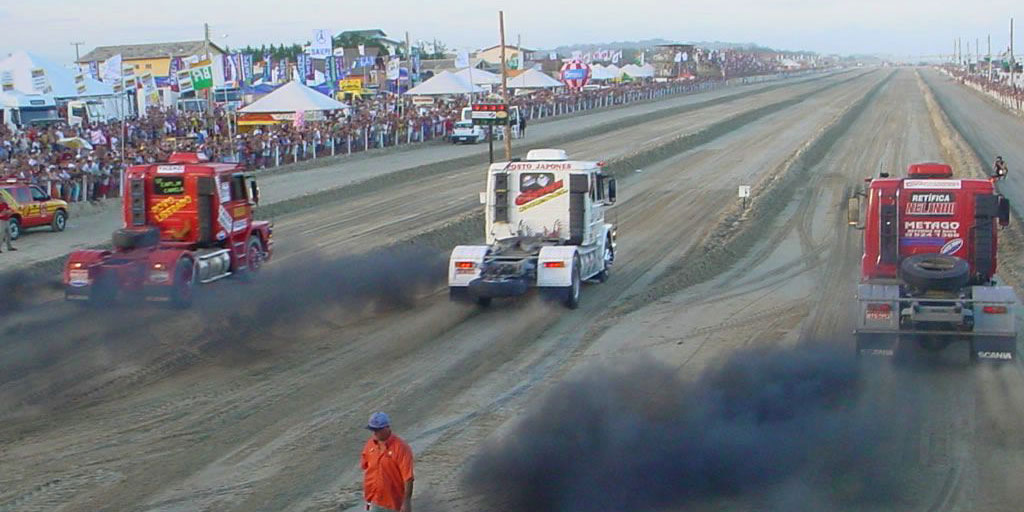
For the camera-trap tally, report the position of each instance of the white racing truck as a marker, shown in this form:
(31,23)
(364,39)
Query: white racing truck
(545,227)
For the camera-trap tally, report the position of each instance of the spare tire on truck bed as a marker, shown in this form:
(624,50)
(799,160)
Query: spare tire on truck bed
(935,272)
(136,238)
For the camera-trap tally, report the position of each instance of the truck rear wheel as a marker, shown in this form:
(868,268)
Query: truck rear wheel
(184,283)
(935,272)
(574,290)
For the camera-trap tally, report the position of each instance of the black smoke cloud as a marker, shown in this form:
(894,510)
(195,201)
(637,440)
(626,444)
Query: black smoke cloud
(638,437)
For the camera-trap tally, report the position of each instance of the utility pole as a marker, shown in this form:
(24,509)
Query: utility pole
(1013,63)
(209,58)
(990,56)
(77,56)
(504,85)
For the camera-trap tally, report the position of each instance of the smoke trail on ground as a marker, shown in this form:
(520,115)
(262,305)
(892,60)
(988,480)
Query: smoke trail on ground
(637,437)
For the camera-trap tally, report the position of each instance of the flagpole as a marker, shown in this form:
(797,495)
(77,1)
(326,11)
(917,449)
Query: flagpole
(504,86)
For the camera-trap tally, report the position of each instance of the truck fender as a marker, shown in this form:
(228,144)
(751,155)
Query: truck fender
(611,232)
(165,261)
(465,263)
(264,230)
(554,265)
(82,260)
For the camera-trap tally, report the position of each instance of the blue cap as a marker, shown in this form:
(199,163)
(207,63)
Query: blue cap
(378,420)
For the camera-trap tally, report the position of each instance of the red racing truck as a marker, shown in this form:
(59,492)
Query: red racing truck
(929,265)
(187,221)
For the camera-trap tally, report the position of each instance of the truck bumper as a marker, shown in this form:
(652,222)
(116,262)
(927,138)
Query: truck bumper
(481,288)
(982,346)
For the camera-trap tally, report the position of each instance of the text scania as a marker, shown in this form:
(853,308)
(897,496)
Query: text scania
(931,229)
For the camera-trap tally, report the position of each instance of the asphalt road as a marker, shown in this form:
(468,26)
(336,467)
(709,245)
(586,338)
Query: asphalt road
(254,400)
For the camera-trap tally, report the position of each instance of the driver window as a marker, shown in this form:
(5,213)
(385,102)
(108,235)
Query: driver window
(38,194)
(238,188)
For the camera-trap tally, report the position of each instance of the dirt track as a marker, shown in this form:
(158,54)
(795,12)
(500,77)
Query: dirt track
(161,415)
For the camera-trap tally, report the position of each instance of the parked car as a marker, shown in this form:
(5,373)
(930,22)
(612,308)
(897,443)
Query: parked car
(33,207)
(466,131)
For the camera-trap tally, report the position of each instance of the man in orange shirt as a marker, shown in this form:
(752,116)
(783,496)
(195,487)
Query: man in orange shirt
(387,468)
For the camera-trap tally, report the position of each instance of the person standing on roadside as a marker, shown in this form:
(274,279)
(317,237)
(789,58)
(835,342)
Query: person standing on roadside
(387,468)
(5,225)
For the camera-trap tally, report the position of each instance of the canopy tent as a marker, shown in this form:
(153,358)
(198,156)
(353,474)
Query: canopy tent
(293,97)
(20,66)
(533,79)
(479,76)
(599,72)
(645,71)
(443,84)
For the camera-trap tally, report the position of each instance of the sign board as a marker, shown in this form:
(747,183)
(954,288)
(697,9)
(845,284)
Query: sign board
(321,46)
(202,75)
(422,100)
(744,191)
(350,84)
(489,114)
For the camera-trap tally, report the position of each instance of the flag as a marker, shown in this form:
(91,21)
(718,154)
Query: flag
(128,78)
(175,65)
(362,50)
(225,63)
(282,70)
(310,70)
(112,69)
(80,83)
(462,59)
(94,69)
(266,69)
(394,65)
(553,56)
(300,67)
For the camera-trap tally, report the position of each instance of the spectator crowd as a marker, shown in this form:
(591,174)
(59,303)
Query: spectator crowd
(57,157)
(997,84)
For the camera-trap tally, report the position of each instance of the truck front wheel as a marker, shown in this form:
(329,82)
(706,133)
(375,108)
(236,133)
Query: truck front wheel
(254,254)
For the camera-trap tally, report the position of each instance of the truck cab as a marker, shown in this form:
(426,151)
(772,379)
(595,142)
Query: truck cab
(545,227)
(928,269)
(187,221)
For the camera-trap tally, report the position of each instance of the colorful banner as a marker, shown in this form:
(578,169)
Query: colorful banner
(184,81)
(247,72)
(94,70)
(173,68)
(351,84)
(225,64)
(112,70)
(266,69)
(310,70)
(332,70)
(300,67)
(39,82)
(80,84)
(202,75)
(236,61)
(282,71)
(6,80)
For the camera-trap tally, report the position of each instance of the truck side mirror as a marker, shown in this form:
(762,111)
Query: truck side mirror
(254,192)
(611,190)
(853,212)
(1004,211)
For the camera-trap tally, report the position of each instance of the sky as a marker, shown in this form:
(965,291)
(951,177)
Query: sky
(892,27)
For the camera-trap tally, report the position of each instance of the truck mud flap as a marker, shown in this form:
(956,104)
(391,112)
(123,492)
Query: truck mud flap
(877,345)
(480,288)
(993,349)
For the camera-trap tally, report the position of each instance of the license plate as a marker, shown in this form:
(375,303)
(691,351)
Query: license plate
(160,276)
(879,315)
(79,278)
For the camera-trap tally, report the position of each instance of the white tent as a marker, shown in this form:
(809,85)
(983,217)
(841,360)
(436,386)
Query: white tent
(479,76)
(645,71)
(533,79)
(293,97)
(60,80)
(445,83)
(599,72)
